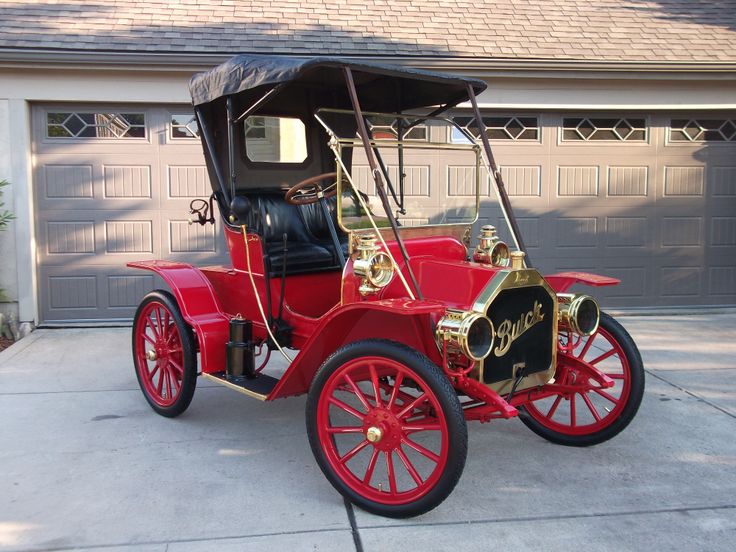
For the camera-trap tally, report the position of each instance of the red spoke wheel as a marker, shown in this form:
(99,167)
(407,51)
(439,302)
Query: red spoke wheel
(164,354)
(386,428)
(588,414)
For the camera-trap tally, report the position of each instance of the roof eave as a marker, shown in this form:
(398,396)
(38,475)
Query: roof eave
(481,66)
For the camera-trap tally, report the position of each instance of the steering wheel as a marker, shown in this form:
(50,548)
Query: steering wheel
(309,190)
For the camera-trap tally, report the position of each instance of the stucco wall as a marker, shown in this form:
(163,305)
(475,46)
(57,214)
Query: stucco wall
(8,267)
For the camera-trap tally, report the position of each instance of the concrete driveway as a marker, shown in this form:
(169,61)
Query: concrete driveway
(86,464)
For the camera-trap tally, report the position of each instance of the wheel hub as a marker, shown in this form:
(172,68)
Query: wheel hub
(382,428)
(374,434)
(151,355)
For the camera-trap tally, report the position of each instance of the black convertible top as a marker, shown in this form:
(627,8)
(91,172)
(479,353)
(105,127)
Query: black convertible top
(381,87)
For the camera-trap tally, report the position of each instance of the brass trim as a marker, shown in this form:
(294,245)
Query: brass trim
(569,306)
(517,260)
(374,434)
(454,328)
(513,279)
(373,266)
(491,249)
(238,388)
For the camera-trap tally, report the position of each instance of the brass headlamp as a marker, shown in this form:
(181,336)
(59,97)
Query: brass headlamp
(374,266)
(490,249)
(578,313)
(471,333)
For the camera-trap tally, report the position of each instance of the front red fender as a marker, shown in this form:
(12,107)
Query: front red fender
(199,306)
(408,322)
(562,281)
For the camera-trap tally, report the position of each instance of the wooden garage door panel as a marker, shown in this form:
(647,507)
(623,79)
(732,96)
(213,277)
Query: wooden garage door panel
(102,202)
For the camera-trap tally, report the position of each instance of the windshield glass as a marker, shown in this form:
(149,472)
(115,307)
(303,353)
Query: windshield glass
(430,179)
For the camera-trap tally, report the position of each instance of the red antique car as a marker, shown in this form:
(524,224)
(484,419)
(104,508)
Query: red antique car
(347,201)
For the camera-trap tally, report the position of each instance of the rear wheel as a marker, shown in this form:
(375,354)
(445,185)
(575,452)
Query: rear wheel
(589,414)
(386,428)
(164,354)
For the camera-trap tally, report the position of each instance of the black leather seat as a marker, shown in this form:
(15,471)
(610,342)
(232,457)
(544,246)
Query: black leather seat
(308,244)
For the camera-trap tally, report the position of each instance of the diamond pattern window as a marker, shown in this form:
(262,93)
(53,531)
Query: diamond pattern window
(703,130)
(603,129)
(95,125)
(508,129)
(387,128)
(183,126)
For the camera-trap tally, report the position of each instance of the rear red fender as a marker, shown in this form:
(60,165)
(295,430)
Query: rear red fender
(402,320)
(562,281)
(199,306)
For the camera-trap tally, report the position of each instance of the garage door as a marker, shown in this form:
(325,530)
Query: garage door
(647,198)
(113,184)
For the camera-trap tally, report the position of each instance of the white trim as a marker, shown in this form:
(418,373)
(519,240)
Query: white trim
(21,173)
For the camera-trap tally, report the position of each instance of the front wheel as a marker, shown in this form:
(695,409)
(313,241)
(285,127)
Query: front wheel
(386,428)
(587,414)
(164,354)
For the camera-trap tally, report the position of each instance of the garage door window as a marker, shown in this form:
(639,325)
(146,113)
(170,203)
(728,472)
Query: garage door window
(600,129)
(183,126)
(95,125)
(506,128)
(702,130)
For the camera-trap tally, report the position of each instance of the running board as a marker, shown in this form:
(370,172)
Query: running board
(258,387)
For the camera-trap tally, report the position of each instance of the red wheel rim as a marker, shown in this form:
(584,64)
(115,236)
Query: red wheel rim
(589,408)
(158,354)
(382,430)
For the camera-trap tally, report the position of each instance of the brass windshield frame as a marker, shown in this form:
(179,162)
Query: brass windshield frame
(338,144)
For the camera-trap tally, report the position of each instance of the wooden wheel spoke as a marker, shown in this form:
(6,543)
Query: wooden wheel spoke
(605,395)
(358,393)
(421,450)
(371,466)
(555,404)
(587,346)
(346,407)
(395,391)
(153,372)
(411,406)
(592,409)
(376,387)
(160,326)
(175,379)
(355,450)
(344,429)
(390,472)
(409,466)
(616,376)
(413,427)
(175,365)
(160,386)
(573,414)
(149,339)
(604,356)
(151,324)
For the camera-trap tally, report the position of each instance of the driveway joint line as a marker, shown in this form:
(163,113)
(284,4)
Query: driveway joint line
(353,525)
(683,509)
(694,395)
(181,541)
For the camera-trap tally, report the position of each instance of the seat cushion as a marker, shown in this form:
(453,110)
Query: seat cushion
(308,242)
(300,257)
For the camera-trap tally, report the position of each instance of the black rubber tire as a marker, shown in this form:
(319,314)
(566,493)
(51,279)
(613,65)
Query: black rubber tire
(189,354)
(446,396)
(636,366)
